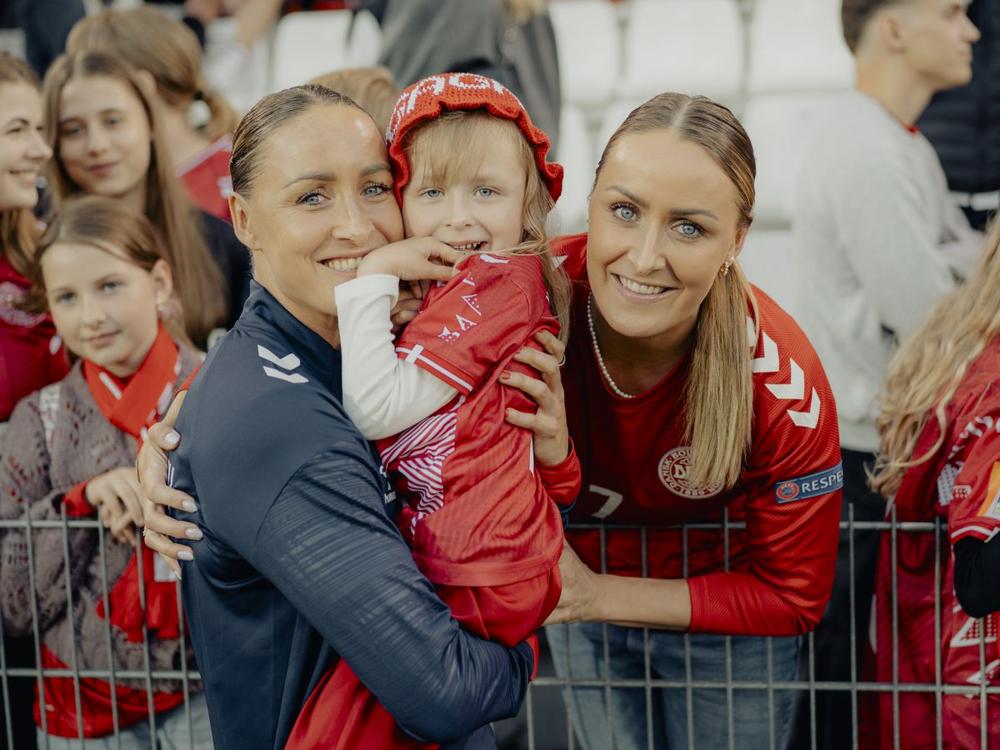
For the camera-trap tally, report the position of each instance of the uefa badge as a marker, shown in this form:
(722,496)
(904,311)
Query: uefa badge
(673,472)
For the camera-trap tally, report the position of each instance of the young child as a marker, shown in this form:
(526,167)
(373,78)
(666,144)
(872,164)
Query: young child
(101,271)
(471,172)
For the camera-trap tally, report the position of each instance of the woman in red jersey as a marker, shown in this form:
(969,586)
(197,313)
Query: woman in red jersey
(692,398)
(940,458)
(30,354)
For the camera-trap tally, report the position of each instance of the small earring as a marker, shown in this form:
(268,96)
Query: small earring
(725,267)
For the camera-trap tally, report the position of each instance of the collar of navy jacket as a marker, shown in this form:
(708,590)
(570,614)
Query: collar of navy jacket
(311,355)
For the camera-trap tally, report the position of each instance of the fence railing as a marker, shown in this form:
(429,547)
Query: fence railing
(549,718)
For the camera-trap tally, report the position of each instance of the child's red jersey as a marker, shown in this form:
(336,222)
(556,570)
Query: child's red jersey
(505,527)
(635,459)
(961,484)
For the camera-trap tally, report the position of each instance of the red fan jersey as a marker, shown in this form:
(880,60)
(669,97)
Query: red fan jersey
(961,484)
(505,527)
(207,179)
(31,354)
(635,462)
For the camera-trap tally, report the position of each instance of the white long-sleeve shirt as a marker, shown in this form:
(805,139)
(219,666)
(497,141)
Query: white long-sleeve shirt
(878,243)
(383,394)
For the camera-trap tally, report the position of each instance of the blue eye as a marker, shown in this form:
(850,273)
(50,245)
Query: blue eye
(690,230)
(485,192)
(110,286)
(624,211)
(432,193)
(311,199)
(375,189)
(65,298)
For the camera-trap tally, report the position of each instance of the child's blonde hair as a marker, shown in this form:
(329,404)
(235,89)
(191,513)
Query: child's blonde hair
(452,144)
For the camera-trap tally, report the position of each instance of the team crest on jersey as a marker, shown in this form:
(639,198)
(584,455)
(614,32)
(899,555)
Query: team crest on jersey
(673,472)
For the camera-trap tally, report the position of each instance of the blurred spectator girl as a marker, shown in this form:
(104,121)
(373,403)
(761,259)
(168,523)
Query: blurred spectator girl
(104,129)
(30,356)
(197,123)
(940,458)
(103,273)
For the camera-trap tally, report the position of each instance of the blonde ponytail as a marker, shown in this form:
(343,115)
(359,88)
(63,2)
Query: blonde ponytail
(719,392)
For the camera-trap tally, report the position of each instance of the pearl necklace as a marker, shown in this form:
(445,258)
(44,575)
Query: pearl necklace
(597,353)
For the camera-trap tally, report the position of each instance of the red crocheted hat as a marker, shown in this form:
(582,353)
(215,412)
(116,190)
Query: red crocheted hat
(448,92)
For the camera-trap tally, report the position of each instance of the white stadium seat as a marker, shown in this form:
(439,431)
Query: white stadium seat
(578,156)
(613,116)
(767,261)
(307,44)
(780,128)
(691,46)
(365,43)
(796,45)
(589,49)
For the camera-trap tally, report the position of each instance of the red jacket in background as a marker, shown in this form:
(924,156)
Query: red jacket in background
(31,354)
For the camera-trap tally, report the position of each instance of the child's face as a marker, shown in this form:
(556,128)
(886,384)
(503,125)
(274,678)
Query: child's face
(103,306)
(476,212)
(104,136)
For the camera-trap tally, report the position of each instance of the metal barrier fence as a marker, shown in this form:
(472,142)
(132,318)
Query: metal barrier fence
(547,719)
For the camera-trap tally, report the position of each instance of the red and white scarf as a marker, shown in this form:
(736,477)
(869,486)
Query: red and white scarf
(132,405)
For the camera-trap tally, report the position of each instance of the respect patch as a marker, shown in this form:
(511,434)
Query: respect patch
(812,485)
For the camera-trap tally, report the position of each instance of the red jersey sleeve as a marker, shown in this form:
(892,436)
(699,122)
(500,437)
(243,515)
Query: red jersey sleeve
(793,483)
(974,509)
(478,319)
(570,252)
(563,480)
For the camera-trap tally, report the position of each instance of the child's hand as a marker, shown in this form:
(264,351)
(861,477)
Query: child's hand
(115,495)
(413,259)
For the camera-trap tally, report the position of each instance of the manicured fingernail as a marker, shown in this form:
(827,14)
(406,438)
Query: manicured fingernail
(171,438)
(505,375)
(185,554)
(189,506)
(193,534)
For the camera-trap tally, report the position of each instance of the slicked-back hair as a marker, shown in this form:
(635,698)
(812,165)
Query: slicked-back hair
(265,117)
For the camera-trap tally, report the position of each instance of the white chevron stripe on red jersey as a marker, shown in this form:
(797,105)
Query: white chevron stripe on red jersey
(769,362)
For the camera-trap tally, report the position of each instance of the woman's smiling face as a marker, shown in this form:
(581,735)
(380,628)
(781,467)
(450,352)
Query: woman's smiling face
(663,220)
(321,200)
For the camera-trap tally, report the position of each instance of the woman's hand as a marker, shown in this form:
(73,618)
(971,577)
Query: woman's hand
(151,466)
(413,259)
(579,598)
(549,422)
(117,498)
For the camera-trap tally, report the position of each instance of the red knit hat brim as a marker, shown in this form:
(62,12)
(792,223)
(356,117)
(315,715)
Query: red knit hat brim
(449,92)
